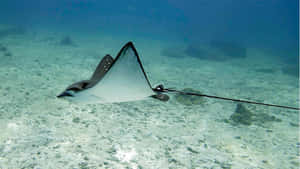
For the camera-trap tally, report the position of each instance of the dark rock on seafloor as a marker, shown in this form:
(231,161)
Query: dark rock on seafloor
(7,30)
(216,51)
(229,49)
(2,48)
(7,54)
(243,116)
(292,70)
(67,41)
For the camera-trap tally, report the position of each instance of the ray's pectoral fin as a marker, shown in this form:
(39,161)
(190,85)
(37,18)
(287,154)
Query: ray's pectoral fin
(99,73)
(75,87)
(101,70)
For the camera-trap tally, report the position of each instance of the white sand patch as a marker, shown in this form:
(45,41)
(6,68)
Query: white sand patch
(125,156)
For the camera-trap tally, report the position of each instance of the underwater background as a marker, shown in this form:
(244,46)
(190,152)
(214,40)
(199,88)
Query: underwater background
(238,49)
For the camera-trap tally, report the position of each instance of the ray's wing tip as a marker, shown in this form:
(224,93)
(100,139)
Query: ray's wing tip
(64,94)
(129,43)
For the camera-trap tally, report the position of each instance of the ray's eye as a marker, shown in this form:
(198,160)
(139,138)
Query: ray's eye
(159,87)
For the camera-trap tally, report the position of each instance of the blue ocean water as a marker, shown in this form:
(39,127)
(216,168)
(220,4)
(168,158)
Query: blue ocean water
(238,49)
(271,24)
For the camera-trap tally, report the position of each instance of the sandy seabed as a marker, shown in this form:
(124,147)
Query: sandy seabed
(40,131)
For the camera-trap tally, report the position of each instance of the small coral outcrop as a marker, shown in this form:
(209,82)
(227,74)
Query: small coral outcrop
(244,116)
